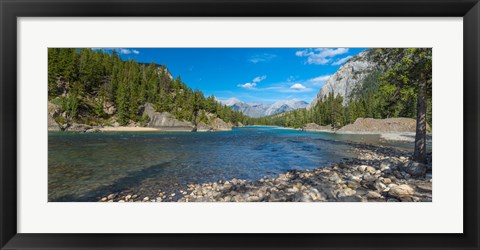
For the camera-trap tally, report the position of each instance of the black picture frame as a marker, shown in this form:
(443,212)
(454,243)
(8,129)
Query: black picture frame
(10,10)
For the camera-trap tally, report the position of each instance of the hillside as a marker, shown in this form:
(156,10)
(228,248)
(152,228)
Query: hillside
(92,88)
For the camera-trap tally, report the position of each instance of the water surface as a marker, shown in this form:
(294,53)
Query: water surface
(85,167)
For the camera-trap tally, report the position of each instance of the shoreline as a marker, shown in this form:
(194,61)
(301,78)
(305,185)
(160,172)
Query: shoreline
(377,174)
(400,137)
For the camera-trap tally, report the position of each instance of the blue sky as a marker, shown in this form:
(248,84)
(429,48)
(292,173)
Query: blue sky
(249,74)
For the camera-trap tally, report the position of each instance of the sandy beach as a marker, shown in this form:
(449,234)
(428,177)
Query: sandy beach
(128,129)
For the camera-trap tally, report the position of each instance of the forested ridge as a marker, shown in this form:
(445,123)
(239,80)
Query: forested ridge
(95,87)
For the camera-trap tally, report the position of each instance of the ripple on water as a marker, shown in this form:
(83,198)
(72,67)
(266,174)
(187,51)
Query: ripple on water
(84,167)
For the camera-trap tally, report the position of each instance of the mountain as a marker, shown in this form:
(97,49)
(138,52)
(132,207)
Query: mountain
(348,77)
(285,106)
(259,109)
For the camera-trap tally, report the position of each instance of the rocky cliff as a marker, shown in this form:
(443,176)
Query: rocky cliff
(165,120)
(53,112)
(348,77)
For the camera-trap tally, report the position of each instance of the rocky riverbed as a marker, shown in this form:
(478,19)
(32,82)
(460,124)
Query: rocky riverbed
(378,174)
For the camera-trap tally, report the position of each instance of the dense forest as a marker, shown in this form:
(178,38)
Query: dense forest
(87,83)
(389,91)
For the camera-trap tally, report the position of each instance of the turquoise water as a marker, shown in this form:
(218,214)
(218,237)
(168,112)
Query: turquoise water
(85,167)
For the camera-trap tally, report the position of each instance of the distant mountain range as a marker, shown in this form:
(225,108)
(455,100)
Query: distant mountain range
(258,109)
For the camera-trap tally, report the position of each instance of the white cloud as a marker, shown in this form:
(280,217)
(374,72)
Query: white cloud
(124,51)
(247,85)
(298,86)
(265,57)
(253,84)
(127,51)
(320,56)
(342,60)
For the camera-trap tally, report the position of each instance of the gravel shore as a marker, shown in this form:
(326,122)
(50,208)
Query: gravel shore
(378,174)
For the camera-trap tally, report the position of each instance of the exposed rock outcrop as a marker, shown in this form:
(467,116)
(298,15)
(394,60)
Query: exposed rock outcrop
(219,125)
(203,127)
(54,111)
(379,126)
(313,127)
(165,120)
(348,77)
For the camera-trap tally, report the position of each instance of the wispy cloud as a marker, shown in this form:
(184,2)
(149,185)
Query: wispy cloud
(120,50)
(265,57)
(253,83)
(297,87)
(247,85)
(341,60)
(320,56)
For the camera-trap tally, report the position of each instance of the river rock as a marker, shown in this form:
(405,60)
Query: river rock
(373,195)
(346,192)
(401,191)
(371,170)
(389,164)
(415,169)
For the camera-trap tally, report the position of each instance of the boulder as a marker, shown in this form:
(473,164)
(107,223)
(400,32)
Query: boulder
(203,127)
(389,164)
(219,125)
(401,191)
(415,169)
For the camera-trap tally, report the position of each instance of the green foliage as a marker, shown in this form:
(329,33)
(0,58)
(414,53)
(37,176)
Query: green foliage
(60,120)
(85,79)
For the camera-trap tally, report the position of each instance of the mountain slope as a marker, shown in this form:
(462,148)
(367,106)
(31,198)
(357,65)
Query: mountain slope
(285,106)
(348,77)
(258,109)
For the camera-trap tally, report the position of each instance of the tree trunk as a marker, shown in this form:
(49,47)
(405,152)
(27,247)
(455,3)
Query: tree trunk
(420,153)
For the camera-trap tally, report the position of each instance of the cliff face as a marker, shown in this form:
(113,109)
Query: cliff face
(166,121)
(348,77)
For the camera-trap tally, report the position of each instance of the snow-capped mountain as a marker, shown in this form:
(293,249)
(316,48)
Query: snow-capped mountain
(285,106)
(259,109)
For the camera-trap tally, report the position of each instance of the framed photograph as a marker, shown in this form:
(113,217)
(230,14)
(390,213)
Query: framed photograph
(232,125)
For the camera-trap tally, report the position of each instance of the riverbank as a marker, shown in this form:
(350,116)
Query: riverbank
(378,174)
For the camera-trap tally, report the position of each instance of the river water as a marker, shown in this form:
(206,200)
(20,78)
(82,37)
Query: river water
(85,167)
